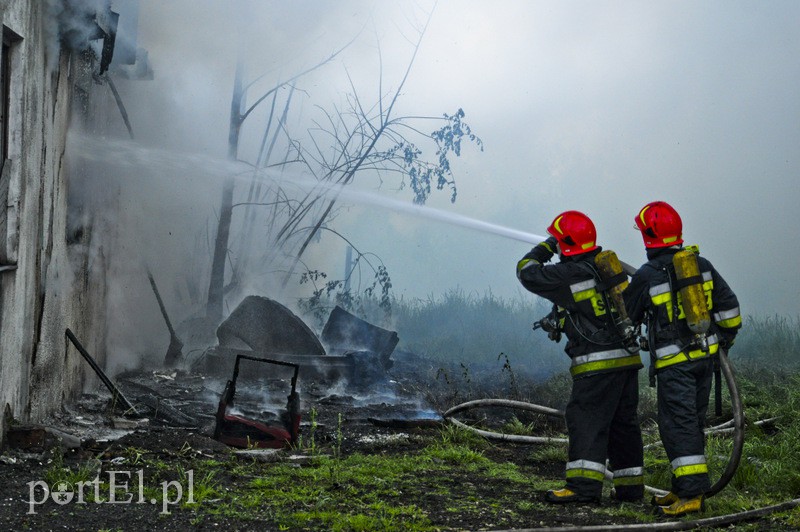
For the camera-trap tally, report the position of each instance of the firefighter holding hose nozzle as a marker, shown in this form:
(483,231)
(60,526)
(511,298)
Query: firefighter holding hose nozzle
(601,414)
(690,313)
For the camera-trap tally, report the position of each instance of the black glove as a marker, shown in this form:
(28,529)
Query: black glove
(727,342)
(544,251)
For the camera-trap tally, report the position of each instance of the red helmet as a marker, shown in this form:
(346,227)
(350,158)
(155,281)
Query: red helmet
(575,233)
(660,225)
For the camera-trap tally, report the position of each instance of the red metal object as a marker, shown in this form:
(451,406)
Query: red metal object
(238,431)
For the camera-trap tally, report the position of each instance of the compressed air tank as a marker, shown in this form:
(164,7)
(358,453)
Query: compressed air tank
(610,269)
(690,286)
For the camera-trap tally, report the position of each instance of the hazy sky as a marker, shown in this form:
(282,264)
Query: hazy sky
(589,105)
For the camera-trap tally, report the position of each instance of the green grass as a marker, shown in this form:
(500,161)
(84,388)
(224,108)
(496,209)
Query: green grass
(59,472)
(366,493)
(483,346)
(451,472)
(477,341)
(453,435)
(550,453)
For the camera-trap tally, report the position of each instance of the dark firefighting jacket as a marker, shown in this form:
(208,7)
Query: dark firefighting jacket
(652,297)
(593,341)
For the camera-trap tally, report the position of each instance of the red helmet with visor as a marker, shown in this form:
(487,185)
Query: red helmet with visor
(575,233)
(660,225)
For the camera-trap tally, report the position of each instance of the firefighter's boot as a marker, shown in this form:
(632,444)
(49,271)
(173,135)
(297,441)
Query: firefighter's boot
(566,495)
(664,500)
(682,507)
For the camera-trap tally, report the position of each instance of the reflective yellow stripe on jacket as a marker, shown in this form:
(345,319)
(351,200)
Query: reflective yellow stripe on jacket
(525,263)
(728,319)
(583,290)
(672,354)
(661,294)
(603,360)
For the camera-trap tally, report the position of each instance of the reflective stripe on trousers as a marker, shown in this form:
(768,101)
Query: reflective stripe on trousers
(632,476)
(689,465)
(586,469)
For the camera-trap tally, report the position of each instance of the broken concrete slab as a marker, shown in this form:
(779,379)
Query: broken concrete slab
(350,348)
(345,332)
(267,327)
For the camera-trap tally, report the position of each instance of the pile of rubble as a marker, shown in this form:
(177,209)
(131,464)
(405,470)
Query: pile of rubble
(265,382)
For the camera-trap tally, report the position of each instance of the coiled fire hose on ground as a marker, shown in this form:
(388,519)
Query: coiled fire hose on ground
(738,424)
(717,521)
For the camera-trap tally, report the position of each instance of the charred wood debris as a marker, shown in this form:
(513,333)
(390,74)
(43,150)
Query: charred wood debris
(265,382)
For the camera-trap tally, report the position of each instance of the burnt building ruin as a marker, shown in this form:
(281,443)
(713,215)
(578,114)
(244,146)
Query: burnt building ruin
(53,78)
(63,234)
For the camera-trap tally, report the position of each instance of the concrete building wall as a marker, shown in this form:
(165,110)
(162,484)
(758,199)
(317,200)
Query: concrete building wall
(59,279)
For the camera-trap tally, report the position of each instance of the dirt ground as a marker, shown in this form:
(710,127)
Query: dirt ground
(406,403)
(16,512)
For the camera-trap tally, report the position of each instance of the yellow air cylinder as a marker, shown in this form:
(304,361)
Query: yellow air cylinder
(693,298)
(609,266)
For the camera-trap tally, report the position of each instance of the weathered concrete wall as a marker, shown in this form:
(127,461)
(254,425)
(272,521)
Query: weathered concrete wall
(58,283)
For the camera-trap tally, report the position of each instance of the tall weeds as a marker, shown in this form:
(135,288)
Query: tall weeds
(772,341)
(472,329)
(475,330)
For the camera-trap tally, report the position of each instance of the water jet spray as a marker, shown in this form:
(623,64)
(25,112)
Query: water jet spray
(128,154)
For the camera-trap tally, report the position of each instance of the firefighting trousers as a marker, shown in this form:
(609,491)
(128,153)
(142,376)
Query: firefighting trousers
(683,391)
(602,423)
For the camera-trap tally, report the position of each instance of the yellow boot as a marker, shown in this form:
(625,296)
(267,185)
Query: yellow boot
(664,500)
(683,507)
(566,495)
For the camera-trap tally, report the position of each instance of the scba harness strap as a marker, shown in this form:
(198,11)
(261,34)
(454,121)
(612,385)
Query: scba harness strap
(668,293)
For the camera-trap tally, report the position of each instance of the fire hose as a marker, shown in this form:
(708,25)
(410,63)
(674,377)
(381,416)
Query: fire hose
(725,477)
(717,521)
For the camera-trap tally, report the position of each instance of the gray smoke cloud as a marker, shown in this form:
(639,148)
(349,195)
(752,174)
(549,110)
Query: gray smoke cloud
(595,106)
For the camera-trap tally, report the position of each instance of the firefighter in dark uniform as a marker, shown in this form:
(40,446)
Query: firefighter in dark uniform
(601,414)
(683,361)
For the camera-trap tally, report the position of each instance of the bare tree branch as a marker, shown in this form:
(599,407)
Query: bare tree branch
(295,78)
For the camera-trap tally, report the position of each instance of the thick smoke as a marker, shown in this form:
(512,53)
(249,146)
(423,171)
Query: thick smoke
(596,107)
